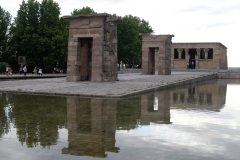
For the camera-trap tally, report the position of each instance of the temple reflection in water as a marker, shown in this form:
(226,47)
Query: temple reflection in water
(91,126)
(92,122)
(155,108)
(209,95)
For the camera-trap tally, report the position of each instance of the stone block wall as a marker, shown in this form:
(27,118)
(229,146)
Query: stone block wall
(110,50)
(219,60)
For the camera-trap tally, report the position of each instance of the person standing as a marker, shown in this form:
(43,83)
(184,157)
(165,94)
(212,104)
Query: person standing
(10,71)
(35,71)
(40,71)
(20,70)
(190,65)
(25,70)
(7,70)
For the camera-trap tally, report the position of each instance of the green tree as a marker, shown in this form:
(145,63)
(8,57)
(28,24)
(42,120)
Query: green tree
(39,34)
(54,34)
(84,10)
(24,32)
(144,27)
(129,39)
(5,21)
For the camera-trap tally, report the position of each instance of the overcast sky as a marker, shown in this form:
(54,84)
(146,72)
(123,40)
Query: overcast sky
(188,20)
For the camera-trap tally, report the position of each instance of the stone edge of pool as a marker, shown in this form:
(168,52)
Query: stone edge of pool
(200,78)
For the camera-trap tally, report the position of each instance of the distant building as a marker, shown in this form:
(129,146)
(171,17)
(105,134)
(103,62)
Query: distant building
(199,56)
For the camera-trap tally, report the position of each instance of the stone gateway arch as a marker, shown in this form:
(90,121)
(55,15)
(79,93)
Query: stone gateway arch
(92,48)
(161,43)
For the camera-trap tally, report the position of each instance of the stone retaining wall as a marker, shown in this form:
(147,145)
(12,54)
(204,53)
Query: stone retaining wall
(219,74)
(175,84)
(229,75)
(135,70)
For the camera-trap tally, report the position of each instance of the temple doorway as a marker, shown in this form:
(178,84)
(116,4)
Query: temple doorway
(192,64)
(85,52)
(192,61)
(151,58)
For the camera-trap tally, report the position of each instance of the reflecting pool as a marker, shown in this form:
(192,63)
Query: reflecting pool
(198,121)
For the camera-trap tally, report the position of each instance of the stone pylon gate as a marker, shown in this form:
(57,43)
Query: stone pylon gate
(151,44)
(92,48)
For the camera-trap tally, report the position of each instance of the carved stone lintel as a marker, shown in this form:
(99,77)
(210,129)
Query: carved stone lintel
(205,50)
(179,50)
(198,50)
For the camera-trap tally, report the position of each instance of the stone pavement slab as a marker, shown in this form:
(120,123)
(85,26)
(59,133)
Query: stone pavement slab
(128,84)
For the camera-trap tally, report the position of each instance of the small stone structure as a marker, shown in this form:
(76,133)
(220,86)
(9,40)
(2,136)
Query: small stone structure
(92,48)
(202,55)
(151,43)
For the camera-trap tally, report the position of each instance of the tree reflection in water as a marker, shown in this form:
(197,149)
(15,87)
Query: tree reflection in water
(92,122)
(5,113)
(36,118)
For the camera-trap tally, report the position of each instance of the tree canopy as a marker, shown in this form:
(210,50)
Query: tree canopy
(5,21)
(84,10)
(39,34)
(129,39)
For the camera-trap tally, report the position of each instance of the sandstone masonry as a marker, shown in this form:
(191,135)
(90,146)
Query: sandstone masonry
(151,43)
(92,48)
(202,55)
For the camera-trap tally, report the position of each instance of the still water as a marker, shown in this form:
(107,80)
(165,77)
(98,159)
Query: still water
(195,122)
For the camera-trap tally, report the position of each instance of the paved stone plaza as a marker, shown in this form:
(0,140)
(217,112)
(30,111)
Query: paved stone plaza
(128,84)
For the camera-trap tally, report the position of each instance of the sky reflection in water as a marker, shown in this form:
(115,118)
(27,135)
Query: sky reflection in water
(198,121)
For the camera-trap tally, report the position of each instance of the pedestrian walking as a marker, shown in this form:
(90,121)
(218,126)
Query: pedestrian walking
(25,70)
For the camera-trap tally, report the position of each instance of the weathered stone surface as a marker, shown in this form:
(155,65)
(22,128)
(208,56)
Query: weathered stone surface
(149,59)
(201,57)
(92,48)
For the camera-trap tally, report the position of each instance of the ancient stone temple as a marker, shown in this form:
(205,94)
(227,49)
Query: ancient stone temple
(92,48)
(151,44)
(199,56)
